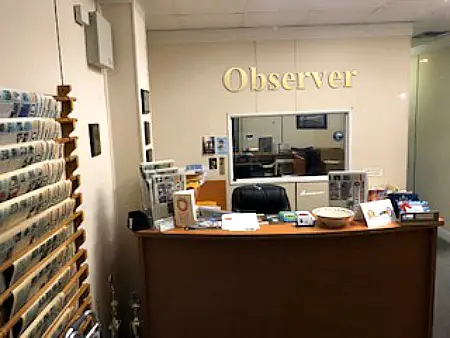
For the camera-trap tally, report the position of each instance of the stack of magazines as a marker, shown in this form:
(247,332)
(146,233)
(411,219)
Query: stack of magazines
(15,103)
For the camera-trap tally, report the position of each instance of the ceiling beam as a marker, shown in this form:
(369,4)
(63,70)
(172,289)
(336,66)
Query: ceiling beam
(280,33)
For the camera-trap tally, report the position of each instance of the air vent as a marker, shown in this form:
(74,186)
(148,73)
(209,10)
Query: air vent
(430,34)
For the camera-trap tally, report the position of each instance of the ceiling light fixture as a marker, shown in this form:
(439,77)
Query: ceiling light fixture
(403,96)
(423,60)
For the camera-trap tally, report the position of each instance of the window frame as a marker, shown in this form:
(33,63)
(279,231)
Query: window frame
(287,178)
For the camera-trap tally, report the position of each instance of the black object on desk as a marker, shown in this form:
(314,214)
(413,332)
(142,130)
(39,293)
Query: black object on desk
(137,220)
(261,199)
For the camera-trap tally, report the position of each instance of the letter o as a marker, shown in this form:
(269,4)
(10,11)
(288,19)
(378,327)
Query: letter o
(227,79)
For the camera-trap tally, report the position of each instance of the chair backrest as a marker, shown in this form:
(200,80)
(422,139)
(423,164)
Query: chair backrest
(261,198)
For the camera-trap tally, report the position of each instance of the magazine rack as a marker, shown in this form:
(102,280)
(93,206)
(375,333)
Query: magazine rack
(65,294)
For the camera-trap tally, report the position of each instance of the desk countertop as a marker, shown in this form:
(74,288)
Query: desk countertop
(285,230)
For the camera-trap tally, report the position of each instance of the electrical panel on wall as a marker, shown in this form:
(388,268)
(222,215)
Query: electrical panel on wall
(99,46)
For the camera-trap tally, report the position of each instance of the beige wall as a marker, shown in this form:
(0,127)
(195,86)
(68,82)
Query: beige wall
(29,61)
(124,84)
(189,99)
(432,176)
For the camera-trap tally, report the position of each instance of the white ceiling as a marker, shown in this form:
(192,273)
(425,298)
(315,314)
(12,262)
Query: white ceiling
(212,14)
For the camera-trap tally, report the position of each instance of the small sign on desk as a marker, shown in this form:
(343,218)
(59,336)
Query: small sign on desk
(184,208)
(378,213)
(240,222)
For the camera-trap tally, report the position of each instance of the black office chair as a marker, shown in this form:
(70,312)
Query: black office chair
(260,198)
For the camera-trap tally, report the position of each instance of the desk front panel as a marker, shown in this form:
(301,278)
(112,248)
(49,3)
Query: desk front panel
(362,285)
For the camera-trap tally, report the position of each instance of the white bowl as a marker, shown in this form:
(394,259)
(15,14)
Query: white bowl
(333,217)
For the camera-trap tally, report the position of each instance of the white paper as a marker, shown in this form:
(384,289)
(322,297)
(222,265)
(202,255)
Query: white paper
(378,213)
(240,222)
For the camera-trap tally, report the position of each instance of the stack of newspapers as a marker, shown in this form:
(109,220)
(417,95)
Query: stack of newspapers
(159,180)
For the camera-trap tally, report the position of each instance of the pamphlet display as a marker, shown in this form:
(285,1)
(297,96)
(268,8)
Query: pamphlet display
(347,189)
(159,181)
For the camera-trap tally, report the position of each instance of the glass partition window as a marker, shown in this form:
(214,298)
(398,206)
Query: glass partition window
(288,145)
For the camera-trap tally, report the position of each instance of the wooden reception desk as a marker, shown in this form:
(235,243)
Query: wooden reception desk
(287,282)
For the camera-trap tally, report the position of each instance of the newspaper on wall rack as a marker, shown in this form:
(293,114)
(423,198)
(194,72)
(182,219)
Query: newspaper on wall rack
(30,204)
(35,281)
(45,318)
(159,180)
(56,287)
(16,156)
(17,103)
(19,130)
(33,229)
(38,254)
(60,323)
(22,181)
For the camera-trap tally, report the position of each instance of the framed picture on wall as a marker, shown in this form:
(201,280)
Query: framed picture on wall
(145,99)
(149,155)
(147,134)
(312,121)
(208,145)
(94,138)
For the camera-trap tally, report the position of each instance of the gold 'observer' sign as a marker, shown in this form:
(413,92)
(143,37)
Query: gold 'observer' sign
(237,79)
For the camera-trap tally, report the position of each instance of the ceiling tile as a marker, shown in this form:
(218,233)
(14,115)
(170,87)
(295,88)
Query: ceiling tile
(401,11)
(279,5)
(271,19)
(347,4)
(162,22)
(261,5)
(330,17)
(171,14)
(205,21)
(158,7)
(209,6)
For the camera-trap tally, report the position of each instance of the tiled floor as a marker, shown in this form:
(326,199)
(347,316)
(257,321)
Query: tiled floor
(442,302)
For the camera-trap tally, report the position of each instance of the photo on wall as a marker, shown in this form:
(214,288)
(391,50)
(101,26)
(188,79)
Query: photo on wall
(221,145)
(149,155)
(147,134)
(145,101)
(312,121)
(213,163)
(222,165)
(208,144)
(94,137)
